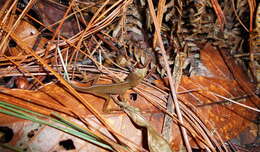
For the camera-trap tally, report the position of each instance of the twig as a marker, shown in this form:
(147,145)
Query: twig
(173,91)
(235,102)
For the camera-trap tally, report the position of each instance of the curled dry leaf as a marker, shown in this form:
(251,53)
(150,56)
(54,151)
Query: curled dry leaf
(27,33)
(156,142)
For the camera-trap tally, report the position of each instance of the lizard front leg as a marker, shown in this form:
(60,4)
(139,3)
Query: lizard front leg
(109,106)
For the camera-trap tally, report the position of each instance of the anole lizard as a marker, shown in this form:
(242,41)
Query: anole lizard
(105,90)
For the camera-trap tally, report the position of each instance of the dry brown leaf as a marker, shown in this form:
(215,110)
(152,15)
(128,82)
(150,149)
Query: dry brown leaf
(214,62)
(227,118)
(50,13)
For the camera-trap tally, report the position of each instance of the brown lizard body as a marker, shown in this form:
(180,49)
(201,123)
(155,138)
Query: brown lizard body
(105,90)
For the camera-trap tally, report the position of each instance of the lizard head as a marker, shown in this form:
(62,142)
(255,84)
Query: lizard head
(136,76)
(141,73)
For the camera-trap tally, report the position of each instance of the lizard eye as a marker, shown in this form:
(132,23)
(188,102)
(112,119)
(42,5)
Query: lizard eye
(133,96)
